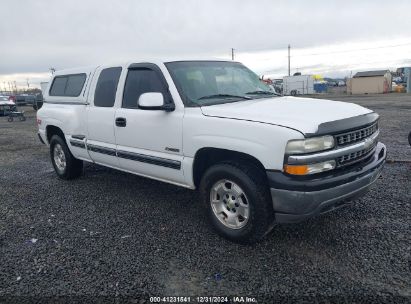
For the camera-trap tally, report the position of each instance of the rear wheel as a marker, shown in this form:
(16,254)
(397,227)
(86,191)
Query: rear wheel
(238,201)
(64,163)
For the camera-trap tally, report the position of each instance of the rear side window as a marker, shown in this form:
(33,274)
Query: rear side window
(58,87)
(106,88)
(140,81)
(67,85)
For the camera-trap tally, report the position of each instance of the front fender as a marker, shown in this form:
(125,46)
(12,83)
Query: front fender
(262,141)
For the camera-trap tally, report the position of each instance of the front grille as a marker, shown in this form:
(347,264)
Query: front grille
(356,135)
(355,156)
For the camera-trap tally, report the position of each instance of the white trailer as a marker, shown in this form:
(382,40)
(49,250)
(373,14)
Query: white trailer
(43,86)
(298,85)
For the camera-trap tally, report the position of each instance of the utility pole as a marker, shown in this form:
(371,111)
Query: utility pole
(232,54)
(28,84)
(289,60)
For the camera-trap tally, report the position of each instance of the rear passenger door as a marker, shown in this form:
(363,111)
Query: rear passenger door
(101,142)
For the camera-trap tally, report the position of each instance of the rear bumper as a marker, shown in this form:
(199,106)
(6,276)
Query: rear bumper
(295,200)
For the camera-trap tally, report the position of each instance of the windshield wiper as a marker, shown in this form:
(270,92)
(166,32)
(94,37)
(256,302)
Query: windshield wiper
(261,92)
(223,96)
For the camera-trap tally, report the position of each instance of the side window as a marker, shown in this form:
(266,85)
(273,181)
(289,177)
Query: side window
(106,88)
(67,85)
(58,87)
(74,85)
(140,81)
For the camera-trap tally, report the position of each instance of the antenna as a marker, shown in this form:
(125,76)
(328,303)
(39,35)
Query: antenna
(289,60)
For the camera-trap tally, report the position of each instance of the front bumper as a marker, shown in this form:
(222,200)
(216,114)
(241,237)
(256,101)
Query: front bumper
(296,199)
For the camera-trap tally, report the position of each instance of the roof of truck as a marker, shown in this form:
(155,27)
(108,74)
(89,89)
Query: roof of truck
(86,69)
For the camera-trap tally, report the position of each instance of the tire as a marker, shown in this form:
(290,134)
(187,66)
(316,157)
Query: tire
(65,164)
(409,138)
(256,197)
(10,119)
(22,118)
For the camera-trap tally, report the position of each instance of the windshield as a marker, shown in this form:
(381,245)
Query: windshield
(202,83)
(2,98)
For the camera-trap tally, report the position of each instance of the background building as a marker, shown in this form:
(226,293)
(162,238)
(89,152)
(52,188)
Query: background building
(370,82)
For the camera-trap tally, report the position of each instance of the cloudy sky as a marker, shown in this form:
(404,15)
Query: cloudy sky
(332,38)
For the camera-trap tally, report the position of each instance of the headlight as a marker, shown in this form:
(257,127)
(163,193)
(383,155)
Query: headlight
(315,144)
(309,169)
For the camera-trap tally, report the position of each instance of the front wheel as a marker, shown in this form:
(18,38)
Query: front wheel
(238,201)
(64,163)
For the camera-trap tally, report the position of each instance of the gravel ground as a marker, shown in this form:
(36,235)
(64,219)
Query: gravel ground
(112,236)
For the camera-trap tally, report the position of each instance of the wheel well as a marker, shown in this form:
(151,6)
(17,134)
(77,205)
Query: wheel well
(206,157)
(53,130)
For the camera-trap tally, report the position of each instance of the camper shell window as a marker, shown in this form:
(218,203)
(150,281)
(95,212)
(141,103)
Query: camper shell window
(68,85)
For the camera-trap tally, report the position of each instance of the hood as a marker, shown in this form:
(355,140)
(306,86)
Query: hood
(302,114)
(7,103)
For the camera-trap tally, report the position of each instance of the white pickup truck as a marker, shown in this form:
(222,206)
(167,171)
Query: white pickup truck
(257,158)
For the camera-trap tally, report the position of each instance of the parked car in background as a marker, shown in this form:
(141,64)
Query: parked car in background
(278,86)
(30,99)
(21,100)
(6,105)
(39,101)
(25,99)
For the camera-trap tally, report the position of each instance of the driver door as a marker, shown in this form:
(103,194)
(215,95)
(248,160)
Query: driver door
(149,142)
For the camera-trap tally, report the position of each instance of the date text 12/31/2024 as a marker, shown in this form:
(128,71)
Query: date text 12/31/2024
(201,299)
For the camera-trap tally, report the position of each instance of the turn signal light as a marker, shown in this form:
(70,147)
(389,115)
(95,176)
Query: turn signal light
(310,169)
(296,170)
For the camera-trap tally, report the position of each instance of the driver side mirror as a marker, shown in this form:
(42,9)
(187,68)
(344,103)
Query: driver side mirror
(154,101)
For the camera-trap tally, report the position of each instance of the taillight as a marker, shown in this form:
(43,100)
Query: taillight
(38,121)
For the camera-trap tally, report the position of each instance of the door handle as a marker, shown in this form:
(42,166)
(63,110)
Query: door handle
(121,122)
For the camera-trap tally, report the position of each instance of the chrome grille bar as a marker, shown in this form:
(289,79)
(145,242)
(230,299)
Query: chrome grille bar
(335,153)
(355,156)
(356,135)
